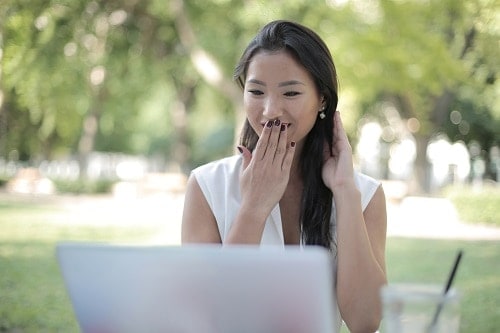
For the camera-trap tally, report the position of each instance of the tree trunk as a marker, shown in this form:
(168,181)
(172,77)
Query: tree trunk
(90,127)
(205,64)
(3,117)
(421,182)
(181,151)
(441,109)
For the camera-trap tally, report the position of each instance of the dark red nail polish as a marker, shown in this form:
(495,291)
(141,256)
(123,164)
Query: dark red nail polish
(283,127)
(277,122)
(240,149)
(269,124)
(292,144)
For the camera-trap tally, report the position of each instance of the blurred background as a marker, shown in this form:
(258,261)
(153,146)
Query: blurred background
(105,107)
(114,91)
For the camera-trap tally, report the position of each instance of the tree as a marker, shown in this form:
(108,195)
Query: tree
(82,70)
(426,58)
(154,77)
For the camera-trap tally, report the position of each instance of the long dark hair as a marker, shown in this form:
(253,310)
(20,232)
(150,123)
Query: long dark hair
(310,51)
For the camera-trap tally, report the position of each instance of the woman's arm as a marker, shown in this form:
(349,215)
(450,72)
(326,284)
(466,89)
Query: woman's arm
(263,179)
(361,258)
(198,221)
(200,226)
(360,239)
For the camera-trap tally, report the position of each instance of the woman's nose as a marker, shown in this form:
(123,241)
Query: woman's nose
(272,109)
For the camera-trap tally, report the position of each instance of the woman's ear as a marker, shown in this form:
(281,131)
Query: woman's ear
(323,102)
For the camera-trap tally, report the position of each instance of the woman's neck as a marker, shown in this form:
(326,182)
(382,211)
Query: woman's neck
(297,158)
(295,170)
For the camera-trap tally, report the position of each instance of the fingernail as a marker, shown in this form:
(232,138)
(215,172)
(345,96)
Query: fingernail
(240,149)
(277,122)
(283,127)
(269,124)
(292,144)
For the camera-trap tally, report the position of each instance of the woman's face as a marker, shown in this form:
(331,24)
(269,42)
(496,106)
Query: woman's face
(278,87)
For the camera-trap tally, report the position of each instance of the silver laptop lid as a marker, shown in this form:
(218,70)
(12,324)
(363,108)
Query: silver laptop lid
(199,288)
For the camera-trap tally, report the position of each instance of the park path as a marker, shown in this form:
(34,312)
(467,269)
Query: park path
(413,217)
(426,217)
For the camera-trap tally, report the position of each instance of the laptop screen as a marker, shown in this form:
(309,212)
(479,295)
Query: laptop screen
(199,288)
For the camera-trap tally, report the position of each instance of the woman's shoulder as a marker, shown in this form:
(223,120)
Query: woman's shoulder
(364,180)
(367,186)
(219,172)
(224,165)
(219,179)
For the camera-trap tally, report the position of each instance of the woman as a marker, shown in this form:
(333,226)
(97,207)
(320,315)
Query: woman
(293,181)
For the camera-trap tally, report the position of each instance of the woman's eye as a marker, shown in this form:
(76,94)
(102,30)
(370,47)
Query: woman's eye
(255,92)
(292,93)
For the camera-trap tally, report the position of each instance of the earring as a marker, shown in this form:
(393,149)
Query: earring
(322,114)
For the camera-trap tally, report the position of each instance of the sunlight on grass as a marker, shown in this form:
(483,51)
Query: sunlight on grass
(477,279)
(476,206)
(34,299)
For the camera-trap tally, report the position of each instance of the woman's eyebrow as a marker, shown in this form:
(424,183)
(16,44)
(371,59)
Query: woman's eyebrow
(281,84)
(290,83)
(255,81)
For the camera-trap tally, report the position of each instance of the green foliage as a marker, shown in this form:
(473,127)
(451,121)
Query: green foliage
(212,135)
(476,205)
(477,122)
(54,51)
(84,186)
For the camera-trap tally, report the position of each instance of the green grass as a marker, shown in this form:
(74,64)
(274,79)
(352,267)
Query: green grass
(33,298)
(477,279)
(474,205)
(32,293)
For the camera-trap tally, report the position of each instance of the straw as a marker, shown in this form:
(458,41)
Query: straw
(451,277)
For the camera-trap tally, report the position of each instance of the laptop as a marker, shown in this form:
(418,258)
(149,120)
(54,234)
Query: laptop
(199,288)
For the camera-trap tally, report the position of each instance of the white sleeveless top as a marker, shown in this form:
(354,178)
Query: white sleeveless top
(220,184)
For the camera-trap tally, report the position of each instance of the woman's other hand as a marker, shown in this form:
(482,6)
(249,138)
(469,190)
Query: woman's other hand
(338,169)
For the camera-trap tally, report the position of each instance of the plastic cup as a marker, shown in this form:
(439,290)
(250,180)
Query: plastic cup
(413,308)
